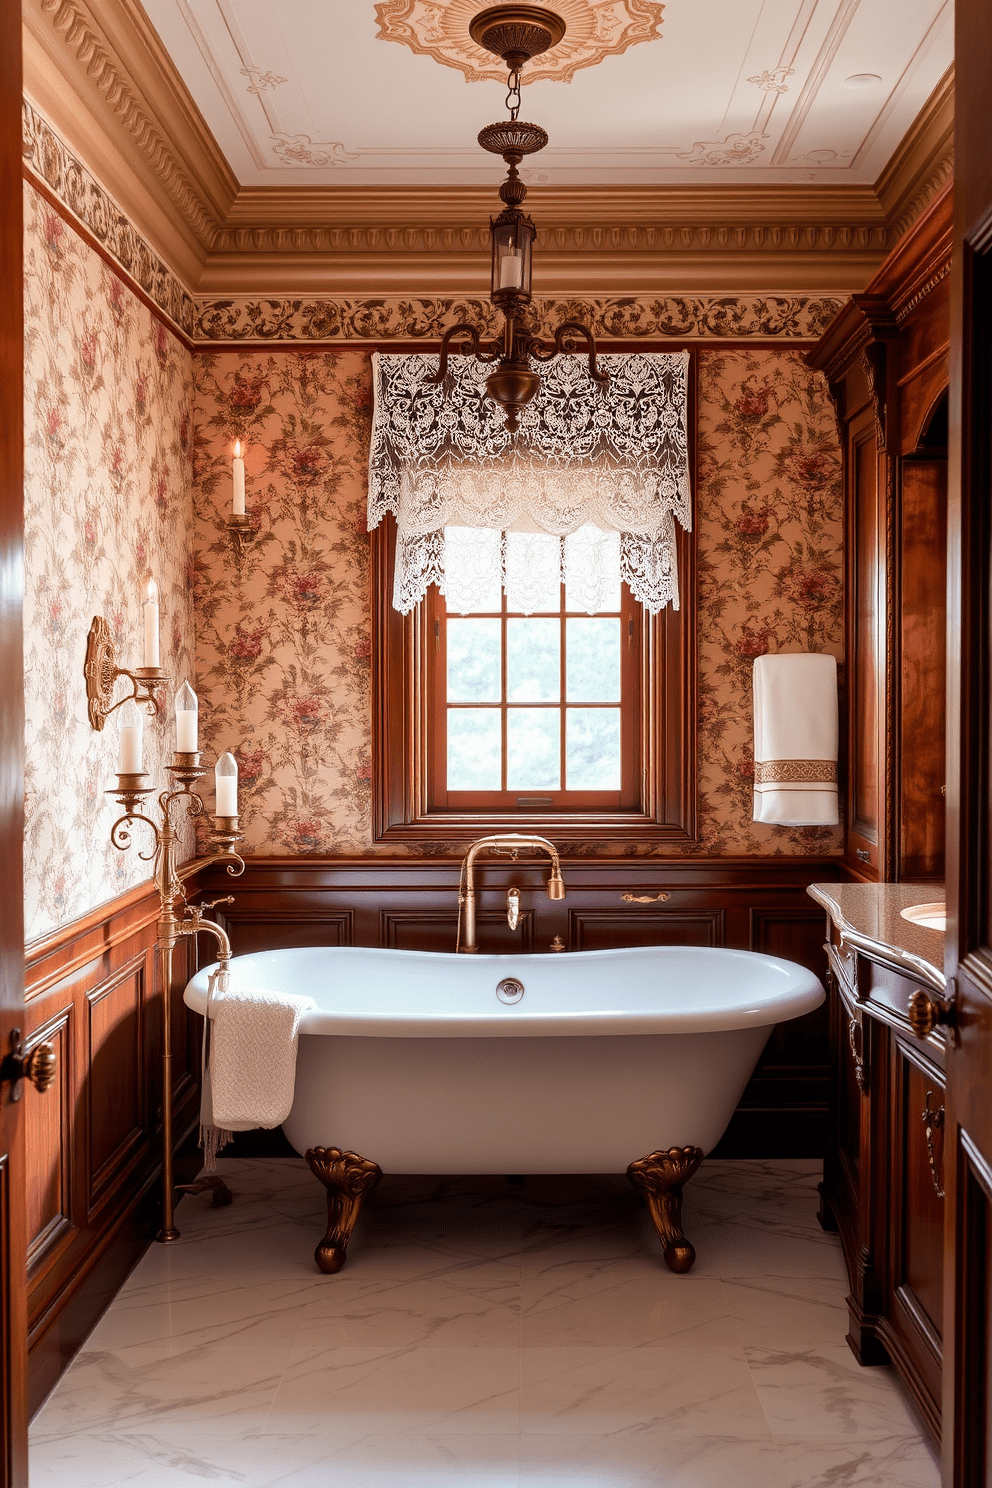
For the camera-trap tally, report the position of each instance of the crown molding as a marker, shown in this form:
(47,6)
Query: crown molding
(101,79)
(924,162)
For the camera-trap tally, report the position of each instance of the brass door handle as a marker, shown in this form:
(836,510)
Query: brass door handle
(933,1120)
(924,1014)
(644,898)
(38,1066)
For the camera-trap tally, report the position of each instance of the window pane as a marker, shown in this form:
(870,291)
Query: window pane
(473,749)
(473,661)
(592,661)
(532,749)
(533,661)
(592,749)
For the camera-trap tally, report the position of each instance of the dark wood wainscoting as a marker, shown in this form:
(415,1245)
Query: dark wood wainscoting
(91,989)
(753,904)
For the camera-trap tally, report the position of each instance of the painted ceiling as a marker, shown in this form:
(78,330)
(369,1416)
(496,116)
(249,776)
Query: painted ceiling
(350,92)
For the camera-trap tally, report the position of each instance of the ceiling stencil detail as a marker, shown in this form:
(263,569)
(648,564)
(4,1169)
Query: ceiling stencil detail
(595,29)
(749,90)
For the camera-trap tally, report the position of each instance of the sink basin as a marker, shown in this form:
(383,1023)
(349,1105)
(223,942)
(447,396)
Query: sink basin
(930,916)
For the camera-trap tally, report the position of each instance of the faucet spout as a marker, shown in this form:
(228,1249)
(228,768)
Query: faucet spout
(505,843)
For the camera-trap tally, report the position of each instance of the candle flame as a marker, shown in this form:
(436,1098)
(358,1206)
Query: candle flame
(237,449)
(153,591)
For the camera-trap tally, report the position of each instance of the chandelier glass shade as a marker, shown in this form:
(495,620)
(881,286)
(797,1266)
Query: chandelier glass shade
(516,33)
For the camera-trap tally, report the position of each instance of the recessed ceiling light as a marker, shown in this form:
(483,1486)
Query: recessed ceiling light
(862,80)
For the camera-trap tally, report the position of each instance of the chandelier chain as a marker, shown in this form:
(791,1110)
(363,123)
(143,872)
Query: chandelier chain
(513,93)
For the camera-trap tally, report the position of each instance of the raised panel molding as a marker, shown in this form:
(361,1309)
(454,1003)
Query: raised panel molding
(595,930)
(116,1087)
(89,1226)
(48,1127)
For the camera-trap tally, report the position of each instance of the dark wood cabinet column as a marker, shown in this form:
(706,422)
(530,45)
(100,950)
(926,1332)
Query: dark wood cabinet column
(885,357)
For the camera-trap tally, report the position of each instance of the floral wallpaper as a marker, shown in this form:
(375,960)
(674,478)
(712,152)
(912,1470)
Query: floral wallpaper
(108,501)
(769,518)
(283,632)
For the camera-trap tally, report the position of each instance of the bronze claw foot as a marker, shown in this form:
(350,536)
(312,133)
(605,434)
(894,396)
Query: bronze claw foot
(659,1177)
(347,1178)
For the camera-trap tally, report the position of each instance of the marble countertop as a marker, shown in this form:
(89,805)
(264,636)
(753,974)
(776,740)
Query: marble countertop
(869,918)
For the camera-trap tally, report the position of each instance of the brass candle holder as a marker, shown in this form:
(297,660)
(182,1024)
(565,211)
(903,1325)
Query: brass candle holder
(176,919)
(101,672)
(242,530)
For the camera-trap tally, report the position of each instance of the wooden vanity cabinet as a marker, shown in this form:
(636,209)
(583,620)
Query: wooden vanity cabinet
(883,1181)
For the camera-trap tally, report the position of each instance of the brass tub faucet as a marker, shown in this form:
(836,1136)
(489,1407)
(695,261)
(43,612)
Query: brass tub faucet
(506,844)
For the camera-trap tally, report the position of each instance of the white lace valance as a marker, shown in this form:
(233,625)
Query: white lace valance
(585,464)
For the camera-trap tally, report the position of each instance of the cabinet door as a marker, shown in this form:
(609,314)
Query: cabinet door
(915,1182)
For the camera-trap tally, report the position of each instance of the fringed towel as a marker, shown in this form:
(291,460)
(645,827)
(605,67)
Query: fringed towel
(249,1061)
(795,739)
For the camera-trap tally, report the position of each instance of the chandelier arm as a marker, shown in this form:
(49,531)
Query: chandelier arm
(471,338)
(543,353)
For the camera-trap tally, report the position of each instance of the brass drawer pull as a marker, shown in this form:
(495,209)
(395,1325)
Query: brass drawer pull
(644,898)
(924,1014)
(855,1034)
(933,1120)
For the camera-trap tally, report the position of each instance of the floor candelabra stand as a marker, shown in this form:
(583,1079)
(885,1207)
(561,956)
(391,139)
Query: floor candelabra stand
(176,917)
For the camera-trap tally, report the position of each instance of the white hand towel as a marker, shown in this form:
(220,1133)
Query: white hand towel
(249,1075)
(795,739)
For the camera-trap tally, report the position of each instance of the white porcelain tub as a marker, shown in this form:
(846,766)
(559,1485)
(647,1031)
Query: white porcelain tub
(412,1060)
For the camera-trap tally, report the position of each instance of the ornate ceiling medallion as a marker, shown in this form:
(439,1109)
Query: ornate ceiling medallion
(594,29)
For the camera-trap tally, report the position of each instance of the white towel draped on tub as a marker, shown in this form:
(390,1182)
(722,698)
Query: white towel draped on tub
(795,739)
(249,1073)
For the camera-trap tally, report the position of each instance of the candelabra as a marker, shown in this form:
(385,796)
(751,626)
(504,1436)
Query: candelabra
(175,919)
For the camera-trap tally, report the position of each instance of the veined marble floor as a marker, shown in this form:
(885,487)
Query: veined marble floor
(484,1335)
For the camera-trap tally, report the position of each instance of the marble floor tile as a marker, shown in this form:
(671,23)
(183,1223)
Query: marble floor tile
(477,1307)
(648,1460)
(484,1334)
(346,1393)
(883,1462)
(821,1390)
(621,1302)
(776,1312)
(610,1391)
(430,1460)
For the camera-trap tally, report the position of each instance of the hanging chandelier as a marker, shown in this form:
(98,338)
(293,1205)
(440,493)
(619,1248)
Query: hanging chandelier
(516,33)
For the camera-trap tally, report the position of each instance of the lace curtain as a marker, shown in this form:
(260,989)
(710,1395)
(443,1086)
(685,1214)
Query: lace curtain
(593,480)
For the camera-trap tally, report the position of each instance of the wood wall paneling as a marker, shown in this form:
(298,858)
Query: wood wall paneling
(94,1154)
(923,668)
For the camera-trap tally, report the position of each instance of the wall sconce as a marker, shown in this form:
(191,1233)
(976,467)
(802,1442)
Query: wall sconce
(101,672)
(239,524)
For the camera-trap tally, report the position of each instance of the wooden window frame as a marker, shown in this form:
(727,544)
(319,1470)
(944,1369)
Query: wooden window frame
(663,817)
(497,801)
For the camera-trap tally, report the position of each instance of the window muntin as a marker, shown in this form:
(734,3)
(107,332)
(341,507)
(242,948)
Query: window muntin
(534,710)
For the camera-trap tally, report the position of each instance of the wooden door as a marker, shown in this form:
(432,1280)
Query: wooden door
(13,1278)
(967,1408)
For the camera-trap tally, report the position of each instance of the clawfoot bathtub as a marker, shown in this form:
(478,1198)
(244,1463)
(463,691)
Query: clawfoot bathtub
(595,1062)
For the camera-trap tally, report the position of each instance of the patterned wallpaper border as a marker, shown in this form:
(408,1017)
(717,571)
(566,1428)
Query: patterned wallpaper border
(211,321)
(51,161)
(402,318)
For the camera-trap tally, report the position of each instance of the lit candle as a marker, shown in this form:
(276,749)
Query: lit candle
(132,727)
(238,507)
(150,608)
(187,710)
(511,269)
(226,785)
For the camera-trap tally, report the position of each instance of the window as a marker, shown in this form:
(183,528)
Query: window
(578,726)
(536,712)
